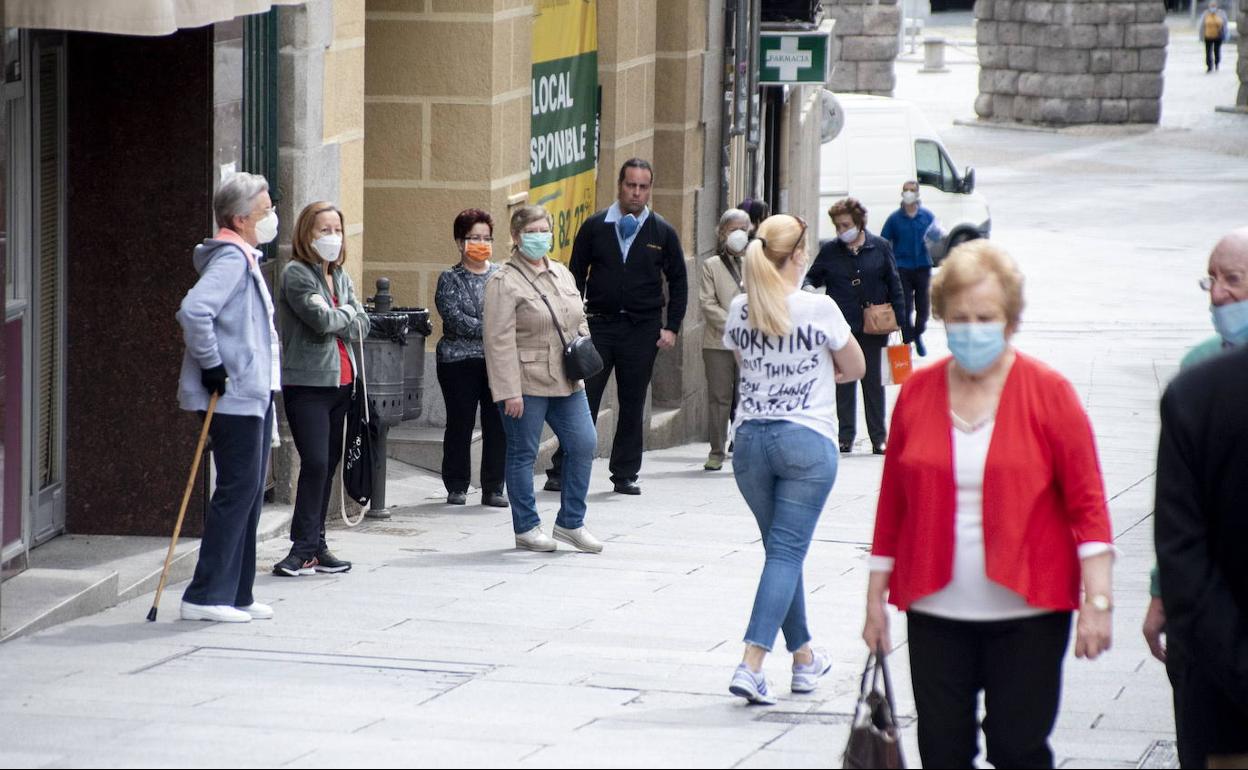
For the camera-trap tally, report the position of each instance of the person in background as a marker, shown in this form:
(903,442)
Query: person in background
(992,510)
(908,230)
(1213,29)
(320,316)
(232,351)
(758,210)
(793,348)
(524,358)
(460,299)
(721,282)
(856,269)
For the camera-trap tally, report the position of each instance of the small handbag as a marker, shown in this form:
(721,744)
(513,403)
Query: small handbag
(875,737)
(581,359)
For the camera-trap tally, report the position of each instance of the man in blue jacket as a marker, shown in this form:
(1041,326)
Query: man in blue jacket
(907,230)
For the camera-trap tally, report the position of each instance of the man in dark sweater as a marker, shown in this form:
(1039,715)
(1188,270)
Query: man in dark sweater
(1202,554)
(620,258)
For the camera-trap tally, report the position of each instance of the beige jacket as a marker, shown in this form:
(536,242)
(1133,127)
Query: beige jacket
(715,293)
(523,355)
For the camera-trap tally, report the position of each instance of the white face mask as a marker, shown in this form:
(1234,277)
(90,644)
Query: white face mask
(328,246)
(909,196)
(266,229)
(736,241)
(849,236)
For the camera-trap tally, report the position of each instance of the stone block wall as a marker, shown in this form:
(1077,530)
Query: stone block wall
(1242,100)
(867,36)
(1072,61)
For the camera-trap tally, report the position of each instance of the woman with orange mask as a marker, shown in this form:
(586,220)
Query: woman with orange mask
(461,365)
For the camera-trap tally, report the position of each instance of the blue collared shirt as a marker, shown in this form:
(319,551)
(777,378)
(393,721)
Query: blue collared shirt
(614,215)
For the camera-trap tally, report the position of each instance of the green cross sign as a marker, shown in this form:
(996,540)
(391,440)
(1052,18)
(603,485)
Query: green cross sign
(793,58)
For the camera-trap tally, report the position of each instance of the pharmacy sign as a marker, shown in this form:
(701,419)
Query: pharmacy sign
(793,58)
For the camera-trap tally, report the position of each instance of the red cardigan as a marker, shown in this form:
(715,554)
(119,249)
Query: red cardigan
(1043,491)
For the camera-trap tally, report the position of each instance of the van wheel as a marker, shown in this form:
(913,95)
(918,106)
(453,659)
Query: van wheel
(956,240)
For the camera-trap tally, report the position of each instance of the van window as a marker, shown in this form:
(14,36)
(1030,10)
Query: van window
(934,168)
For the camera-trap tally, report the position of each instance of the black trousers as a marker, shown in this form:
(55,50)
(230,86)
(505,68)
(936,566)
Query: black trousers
(1018,666)
(316,416)
(872,395)
(1213,54)
(629,348)
(465,388)
(916,288)
(226,570)
(1207,721)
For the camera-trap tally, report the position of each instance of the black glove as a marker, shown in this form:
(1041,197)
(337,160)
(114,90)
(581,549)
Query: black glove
(214,379)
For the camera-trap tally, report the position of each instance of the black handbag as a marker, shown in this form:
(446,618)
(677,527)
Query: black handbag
(875,737)
(359,438)
(581,359)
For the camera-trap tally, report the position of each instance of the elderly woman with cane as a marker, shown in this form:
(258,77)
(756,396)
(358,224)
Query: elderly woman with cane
(232,357)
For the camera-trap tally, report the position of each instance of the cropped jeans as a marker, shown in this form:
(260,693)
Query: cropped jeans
(785,472)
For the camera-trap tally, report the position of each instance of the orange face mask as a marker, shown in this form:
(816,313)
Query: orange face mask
(478,251)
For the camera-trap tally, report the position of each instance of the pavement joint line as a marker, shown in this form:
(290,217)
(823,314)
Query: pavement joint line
(496,585)
(361,728)
(164,660)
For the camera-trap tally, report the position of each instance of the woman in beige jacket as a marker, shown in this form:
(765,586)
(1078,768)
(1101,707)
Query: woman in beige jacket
(524,362)
(721,281)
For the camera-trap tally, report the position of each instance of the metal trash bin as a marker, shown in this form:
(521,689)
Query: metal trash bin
(383,368)
(418,331)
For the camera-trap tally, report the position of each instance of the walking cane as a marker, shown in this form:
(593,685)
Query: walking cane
(186,498)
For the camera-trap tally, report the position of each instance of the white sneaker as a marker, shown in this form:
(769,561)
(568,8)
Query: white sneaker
(535,540)
(751,686)
(806,678)
(578,538)
(257,611)
(219,613)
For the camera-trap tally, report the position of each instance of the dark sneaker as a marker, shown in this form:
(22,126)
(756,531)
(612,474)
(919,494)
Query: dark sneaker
(553,484)
(325,561)
(294,566)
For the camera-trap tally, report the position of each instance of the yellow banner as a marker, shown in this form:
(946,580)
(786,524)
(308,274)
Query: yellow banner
(564,144)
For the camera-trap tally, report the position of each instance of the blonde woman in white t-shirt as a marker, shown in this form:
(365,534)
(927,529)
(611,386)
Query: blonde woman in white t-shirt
(793,347)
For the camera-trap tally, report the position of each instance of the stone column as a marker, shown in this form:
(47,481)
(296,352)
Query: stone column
(626,74)
(446,109)
(1242,100)
(868,37)
(1072,61)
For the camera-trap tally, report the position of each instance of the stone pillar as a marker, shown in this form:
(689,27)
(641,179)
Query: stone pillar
(446,109)
(1242,100)
(626,74)
(1072,61)
(868,38)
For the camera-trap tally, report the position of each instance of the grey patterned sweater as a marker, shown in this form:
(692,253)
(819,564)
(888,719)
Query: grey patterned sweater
(460,298)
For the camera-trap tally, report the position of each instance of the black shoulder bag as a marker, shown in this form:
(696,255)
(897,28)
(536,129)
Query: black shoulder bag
(875,737)
(580,358)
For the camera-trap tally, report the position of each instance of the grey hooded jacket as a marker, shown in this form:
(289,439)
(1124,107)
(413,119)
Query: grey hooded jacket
(227,318)
(311,326)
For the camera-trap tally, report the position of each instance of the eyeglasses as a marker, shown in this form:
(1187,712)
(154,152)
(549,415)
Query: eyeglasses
(1229,281)
(800,238)
(478,239)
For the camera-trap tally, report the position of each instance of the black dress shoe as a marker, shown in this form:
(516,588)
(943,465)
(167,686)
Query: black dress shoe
(627,488)
(847,447)
(457,498)
(919,347)
(495,500)
(877,449)
(553,484)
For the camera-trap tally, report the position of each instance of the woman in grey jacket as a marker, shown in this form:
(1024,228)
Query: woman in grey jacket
(320,316)
(232,351)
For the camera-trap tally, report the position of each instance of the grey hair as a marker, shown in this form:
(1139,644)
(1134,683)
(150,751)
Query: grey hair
(727,218)
(236,196)
(524,216)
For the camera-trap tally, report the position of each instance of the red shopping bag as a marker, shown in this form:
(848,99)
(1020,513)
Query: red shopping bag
(898,363)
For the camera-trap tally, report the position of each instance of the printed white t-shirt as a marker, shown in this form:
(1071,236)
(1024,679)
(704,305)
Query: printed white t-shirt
(792,377)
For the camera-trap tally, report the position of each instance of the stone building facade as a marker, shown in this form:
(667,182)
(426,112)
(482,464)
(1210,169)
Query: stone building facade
(1072,61)
(868,37)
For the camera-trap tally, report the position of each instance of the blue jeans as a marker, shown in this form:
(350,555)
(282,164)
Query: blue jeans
(785,472)
(569,417)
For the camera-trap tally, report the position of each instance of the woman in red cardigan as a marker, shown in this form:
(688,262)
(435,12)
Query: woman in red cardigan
(992,510)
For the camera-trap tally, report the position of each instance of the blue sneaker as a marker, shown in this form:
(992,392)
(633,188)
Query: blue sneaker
(751,686)
(806,678)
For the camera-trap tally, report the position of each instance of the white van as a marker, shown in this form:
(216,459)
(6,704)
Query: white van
(883,143)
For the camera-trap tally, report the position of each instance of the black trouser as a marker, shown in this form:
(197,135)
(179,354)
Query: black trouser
(226,569)
(630,349)
(915,287)
(872,395)
(465,387)
(1213,54)
(316,416)
(1018,666)
(1206,720)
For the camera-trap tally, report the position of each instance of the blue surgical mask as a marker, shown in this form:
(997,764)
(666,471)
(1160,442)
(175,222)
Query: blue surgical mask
(976,346)
(534,246)
(1231,321)
(849,236)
